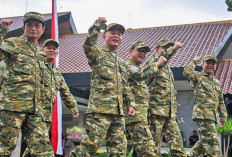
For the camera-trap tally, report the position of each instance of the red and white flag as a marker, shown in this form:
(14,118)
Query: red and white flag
(57,110)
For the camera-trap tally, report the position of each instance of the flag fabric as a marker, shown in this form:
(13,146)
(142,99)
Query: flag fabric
(56,135)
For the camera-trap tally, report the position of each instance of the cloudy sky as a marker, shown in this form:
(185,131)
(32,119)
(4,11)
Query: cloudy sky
(130,13)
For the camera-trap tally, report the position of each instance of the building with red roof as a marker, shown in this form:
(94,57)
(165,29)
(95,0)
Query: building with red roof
(198,40)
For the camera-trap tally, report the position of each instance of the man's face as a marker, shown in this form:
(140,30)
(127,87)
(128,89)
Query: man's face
(138,55)
(209,67)
(33,29)
(51,51)
(113,39)
(159,50)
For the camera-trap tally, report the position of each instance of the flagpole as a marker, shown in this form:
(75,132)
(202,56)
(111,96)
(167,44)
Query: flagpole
(57,110)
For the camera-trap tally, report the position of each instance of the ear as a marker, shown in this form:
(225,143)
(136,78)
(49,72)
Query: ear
(130,51)
(103,36)
(215,66)
(23,27)
(44,28)
(57,52)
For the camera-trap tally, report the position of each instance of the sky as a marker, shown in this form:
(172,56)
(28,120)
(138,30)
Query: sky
(130,13)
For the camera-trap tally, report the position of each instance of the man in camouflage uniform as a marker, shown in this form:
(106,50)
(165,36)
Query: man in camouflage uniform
(4,26)
(105,116)
(3,30)
(163,106)
(208,100)
(54,82)
(20,97)
(138,134)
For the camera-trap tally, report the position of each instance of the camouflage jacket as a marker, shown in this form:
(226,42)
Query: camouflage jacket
(54,82)
(3,32)
(109,76)
(137,80)
(22,85)
(208,97)
(2,70)
(163,94)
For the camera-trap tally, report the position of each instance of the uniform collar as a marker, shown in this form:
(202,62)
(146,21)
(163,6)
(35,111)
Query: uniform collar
(133,63)
(104,47)
(204,73)
(25,39)
(49,65)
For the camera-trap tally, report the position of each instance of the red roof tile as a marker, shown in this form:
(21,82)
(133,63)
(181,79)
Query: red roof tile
(18,20)
(198,40)
(224,75)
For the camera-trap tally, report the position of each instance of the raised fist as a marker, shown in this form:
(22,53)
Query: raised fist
(6,23)
(161,61)
(102,19)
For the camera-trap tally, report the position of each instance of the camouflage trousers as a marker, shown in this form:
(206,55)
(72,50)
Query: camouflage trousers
(139,137)
(101,127)
(26,152)
(167,127)
(33,129)
(208,143)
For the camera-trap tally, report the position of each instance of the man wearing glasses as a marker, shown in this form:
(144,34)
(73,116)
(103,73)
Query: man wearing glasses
(20,97)
(163,106)
(208,101)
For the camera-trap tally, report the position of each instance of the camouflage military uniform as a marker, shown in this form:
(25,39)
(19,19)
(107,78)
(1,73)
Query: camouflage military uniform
(105,116)
(3,32)
(163,107)
(20,97)
(54,82)
(138,134)
(2,70)
(208,100)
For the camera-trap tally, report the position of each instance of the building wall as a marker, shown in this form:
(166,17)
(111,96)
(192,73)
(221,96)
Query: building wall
(184,113)
(227,54)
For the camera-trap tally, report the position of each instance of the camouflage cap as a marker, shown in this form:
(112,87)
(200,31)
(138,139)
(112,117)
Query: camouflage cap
(140,44)
(164,42)
(33,15)
(50,41)
(210,57)
(115,26)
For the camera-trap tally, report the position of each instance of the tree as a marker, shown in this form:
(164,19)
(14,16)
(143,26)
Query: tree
(225,132)
(229,4)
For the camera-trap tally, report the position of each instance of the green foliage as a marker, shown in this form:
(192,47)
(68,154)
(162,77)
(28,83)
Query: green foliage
(101,154)
(104,154)
(229,4)
(76,133)
(130,155)
(226,130)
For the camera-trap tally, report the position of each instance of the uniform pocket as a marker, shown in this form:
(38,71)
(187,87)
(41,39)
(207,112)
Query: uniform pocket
(24,63)
(107,69)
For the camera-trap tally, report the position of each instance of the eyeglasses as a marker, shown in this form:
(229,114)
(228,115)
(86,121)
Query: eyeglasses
(37,26)
(210,62)
(166,46)
(141,50)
